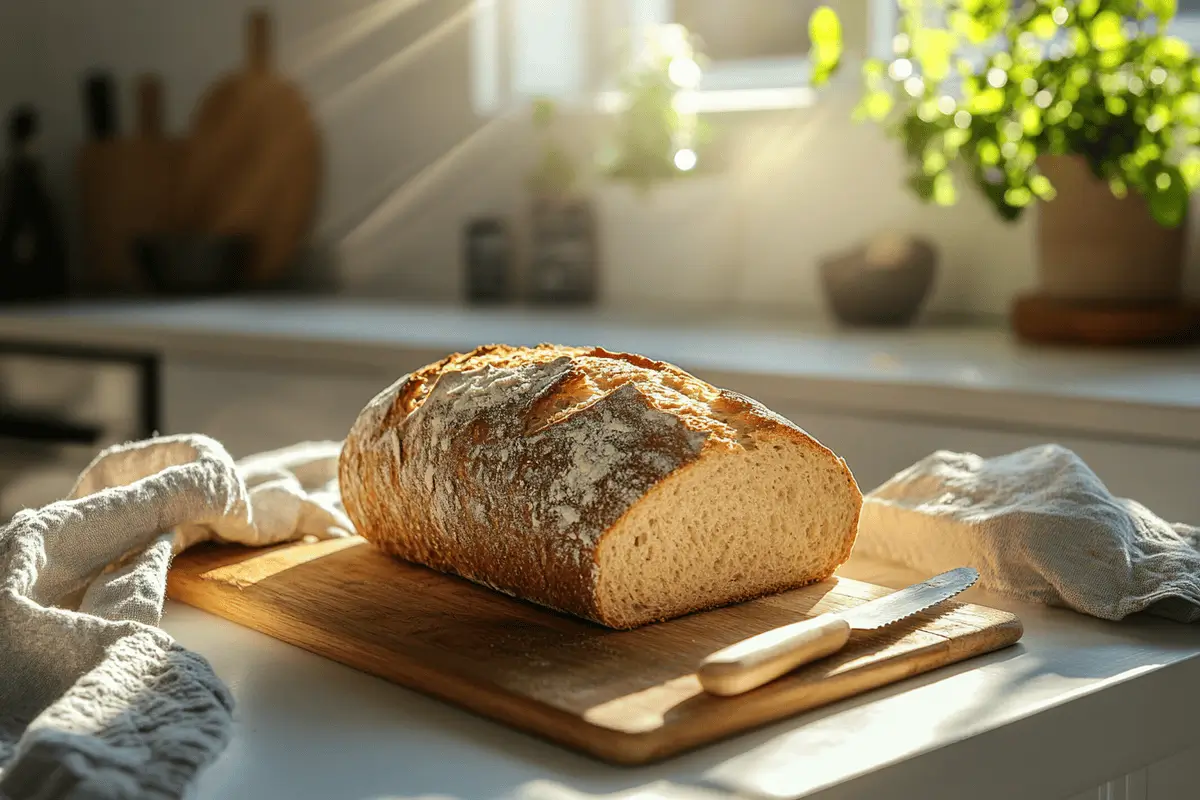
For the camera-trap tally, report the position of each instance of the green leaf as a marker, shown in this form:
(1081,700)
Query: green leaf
(878,104)
(944,193)
(1087,8)
(976,31)
(1146,154)
(1106,31)
(1111,59)
(933,48)
(989,152)
(1058,112)
(1018,197)
(824,27)
(1163,10)
(1169,198)
(1081,42)
(989,101)
(1189,167)
(1031,120)
(822,70)
(1172,50)
(1044,27)
(825,33)
(934,162)
(956,138)
(1040,186)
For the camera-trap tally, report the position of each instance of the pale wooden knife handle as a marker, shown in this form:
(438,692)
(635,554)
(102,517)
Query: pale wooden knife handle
(763,658)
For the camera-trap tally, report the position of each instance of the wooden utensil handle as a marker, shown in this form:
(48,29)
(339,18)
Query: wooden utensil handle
(761,659)
(258,40)
(150,106)
(100,106)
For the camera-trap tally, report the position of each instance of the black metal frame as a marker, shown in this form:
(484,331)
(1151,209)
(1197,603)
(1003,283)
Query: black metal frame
(149,400)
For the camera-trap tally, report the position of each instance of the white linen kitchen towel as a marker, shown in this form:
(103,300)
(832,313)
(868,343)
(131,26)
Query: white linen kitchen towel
(96,701)
(1039,526)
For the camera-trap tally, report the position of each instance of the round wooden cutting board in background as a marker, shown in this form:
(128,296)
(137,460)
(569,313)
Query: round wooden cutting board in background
(253,164)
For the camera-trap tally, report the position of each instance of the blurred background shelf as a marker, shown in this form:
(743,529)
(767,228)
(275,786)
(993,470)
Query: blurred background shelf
(263,373)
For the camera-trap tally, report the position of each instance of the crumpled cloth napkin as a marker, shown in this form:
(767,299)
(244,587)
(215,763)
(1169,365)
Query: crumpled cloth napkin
(1039,526)
(96,701)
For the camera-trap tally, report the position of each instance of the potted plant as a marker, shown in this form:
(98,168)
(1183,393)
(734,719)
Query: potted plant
(667,227)
(1086,108)
(563,242)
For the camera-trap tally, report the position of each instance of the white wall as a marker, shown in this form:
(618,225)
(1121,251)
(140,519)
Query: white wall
(388,80)
(19,57)
(810,182)
(408,161)
(813,183)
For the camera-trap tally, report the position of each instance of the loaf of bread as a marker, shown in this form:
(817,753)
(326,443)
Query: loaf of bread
(605,485)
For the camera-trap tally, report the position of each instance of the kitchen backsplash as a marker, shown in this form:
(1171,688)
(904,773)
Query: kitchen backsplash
(408,161)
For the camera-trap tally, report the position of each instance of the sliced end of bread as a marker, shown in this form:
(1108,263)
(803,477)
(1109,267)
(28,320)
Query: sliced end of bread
(774,515)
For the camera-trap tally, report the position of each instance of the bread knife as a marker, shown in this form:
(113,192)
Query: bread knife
(760,659)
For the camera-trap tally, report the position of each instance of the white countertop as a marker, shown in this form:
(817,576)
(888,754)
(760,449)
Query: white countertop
(1076,702)
(943,372)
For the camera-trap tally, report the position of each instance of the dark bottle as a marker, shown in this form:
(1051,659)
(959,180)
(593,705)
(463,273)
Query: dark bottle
(33,257)
(563,257)
(489,257)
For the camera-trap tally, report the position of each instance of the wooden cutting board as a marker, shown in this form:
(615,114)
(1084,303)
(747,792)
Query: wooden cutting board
(253,164)
(628,697)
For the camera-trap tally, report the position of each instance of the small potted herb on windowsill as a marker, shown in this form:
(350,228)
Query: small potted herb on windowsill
(1085,109)
(665,209)
(563,240)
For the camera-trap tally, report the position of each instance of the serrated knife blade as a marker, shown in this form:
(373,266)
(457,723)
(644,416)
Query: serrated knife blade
(900,605)
(760,659)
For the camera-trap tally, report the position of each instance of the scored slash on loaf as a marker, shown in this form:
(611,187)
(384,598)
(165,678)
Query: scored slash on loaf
(605,485)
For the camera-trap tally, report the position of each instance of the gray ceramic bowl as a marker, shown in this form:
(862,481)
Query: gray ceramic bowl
(192,264)
(865,289)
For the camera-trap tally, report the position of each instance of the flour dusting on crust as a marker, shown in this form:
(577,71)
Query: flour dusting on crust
(566,480)
(509,465)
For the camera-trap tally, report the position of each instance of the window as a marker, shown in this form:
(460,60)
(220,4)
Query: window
(770,29)
(756,55)
(756,49)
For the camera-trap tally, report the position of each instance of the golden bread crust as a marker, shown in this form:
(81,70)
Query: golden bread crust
(508,465)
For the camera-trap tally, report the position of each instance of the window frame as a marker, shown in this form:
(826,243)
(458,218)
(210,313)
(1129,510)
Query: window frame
(725,82)
(734,85)
(731,74)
